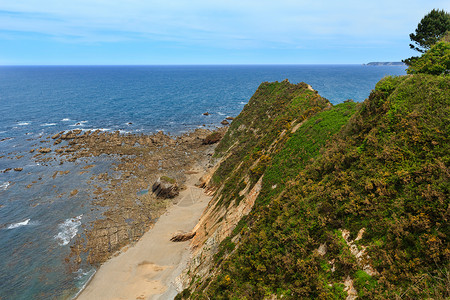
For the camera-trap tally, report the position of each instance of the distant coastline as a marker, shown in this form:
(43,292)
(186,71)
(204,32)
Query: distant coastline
(388,63)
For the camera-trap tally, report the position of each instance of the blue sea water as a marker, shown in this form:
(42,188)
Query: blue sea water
(38,223)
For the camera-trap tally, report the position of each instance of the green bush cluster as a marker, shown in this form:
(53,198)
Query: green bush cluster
(435,61)
(382,165)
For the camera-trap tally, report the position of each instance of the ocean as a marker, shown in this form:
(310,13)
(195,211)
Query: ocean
(39,219)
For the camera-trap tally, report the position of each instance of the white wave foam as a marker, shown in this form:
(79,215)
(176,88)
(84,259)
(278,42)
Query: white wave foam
(48,124)
(65,120)
(2,131)
(68,230)
(32,165)
(95,129)
(90,275)
(19,224)
(243,103)
(4,185)
(221,114)
(23,123)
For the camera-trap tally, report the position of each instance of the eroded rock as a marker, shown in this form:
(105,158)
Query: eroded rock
(165,187)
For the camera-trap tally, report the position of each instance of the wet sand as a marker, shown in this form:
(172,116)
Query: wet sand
(148,269)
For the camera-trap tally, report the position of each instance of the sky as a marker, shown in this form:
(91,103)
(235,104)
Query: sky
(174,32)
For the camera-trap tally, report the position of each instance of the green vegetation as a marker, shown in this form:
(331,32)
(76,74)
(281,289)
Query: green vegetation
(259,131)
(168,179)
(382,165)
(436,61)
(352,193)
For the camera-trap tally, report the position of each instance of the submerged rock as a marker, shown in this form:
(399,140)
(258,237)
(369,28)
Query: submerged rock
(45,150)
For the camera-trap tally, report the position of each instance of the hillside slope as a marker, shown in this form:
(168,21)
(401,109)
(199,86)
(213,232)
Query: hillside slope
(338,203)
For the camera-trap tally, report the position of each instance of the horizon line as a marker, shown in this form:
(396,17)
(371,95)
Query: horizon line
(175,65)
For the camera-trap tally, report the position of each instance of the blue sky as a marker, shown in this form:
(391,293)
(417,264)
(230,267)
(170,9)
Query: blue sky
(104,32)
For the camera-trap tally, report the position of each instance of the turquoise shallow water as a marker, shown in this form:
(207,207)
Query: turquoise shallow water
(36,226)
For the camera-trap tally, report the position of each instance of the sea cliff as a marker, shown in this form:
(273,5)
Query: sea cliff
(313,200)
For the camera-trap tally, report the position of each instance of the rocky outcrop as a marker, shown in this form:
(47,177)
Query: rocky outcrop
(141,160)
(165,187)
(359,253)
(216,224)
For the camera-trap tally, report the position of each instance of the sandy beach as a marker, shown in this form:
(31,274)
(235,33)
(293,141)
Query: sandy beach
(148,269)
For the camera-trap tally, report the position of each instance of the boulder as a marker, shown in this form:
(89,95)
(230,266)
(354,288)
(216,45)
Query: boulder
(183,237)
(212,138)
(165,187)
(206,114)
(225,122)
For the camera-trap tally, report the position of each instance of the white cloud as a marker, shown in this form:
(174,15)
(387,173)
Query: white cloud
(226,24)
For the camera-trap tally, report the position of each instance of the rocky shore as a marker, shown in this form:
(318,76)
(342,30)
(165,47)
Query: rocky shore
(124,194)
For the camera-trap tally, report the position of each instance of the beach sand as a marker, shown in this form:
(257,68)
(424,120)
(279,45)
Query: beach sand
(148,269)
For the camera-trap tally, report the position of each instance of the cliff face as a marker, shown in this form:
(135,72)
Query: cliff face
(320,201)
(274,112)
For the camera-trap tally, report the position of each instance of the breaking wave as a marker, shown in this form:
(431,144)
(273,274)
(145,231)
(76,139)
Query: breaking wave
(21,224)
(68,230)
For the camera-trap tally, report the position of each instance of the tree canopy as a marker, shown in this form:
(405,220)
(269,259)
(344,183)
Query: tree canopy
(430,30)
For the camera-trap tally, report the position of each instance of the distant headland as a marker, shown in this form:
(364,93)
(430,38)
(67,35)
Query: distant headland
(377,63)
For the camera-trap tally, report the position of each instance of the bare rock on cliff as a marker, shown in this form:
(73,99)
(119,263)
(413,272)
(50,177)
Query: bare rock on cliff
(165,187)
